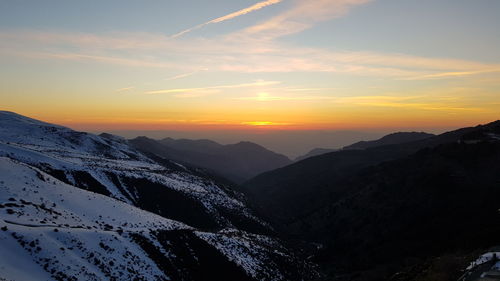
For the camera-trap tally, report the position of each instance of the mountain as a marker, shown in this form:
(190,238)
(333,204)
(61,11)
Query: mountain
(235,162)
(315,152)
(394,138)
(438,201)
(76,206)
(392,208)
(292,191)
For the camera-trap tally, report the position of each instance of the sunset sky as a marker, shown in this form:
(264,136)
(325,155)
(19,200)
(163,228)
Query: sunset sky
(242,64)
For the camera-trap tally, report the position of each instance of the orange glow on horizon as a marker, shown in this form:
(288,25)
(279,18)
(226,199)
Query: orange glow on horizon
(256,126)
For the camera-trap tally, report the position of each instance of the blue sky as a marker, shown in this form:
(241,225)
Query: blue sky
(454,28)
(234,64)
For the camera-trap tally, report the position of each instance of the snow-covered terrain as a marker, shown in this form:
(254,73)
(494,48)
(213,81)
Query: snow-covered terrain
(110,167)
(76,206)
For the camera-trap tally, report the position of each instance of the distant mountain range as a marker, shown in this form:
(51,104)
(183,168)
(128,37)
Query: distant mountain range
(391,208)
(394,138)
(76,206)
(315,152)
(235,162)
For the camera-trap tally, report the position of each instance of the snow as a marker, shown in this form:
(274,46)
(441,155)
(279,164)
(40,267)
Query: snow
(51,229)
(483,259)
(42,144)
(249,251)
(47,213)
(58,228)
(12,256)
(494,136)
(63,203)
(39,143)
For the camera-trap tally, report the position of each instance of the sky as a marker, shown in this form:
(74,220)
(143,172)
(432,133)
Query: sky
(252,67)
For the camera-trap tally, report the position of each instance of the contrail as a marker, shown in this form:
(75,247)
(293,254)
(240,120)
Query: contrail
(245,11)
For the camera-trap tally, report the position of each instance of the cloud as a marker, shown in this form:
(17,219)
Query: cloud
(265,97)
(303,15)
(124,89)
(456,74)
(182,75)
(247,55)
(419,102)
(241,12)
(83,57)
(213,89)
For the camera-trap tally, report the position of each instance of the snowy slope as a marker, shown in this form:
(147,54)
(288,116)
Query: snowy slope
(110,167)
(75,206)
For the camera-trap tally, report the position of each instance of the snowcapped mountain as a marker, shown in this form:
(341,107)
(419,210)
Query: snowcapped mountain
(76,206)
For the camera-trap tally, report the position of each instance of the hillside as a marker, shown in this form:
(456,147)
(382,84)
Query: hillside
(315,152)
(394,138)
(392,208)
(75,206)
(296,189)
(438,201)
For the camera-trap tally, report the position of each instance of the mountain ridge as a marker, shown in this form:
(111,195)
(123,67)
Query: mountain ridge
(78,206)
(393,138)
(236,162)
(381,209)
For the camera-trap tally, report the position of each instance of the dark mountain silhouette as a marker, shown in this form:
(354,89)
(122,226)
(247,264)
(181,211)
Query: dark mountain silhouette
(439,201)
(235,162)
(293,190)
(394,138)
(381,209)
(315,152)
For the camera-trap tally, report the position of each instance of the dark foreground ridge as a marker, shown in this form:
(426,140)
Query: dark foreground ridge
(409,211)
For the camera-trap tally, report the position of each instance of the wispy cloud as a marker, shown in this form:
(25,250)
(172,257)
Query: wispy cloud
(182,75)
(124,89)
(247,55)
(455,74)
(213,89)
(266,97)
(241,12)
(420,102)
(84,57)
(303,15)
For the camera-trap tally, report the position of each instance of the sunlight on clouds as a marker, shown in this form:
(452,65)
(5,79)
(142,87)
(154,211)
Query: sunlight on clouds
(452,74)
(303,15)
(241,12)
(416,103)
(214,89)
(183,75)
(126,89)
(266,97)
(232,55)
(300,86)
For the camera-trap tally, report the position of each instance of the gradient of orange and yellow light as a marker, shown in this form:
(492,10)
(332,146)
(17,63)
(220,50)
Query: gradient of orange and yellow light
(279,70)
